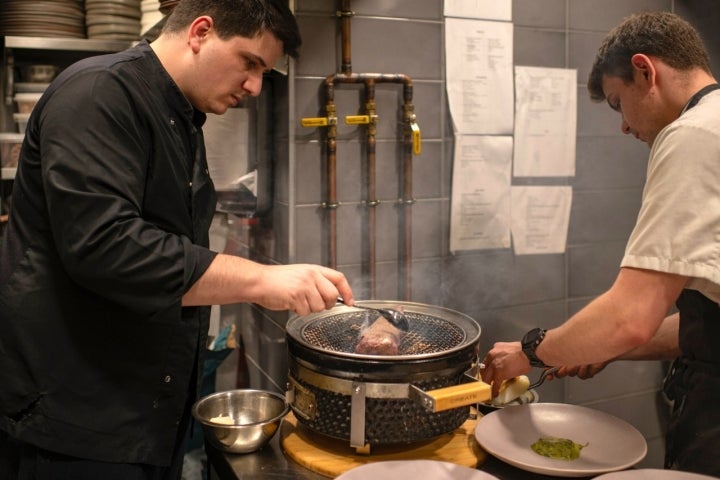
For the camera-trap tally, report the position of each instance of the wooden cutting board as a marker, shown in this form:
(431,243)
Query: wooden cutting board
(331,457)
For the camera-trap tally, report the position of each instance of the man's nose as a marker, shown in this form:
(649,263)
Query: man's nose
(253,84)
(625,127)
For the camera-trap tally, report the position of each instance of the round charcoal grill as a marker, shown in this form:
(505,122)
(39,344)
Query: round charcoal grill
(366,399)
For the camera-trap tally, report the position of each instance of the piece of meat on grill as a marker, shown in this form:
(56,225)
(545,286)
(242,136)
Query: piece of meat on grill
(379,338)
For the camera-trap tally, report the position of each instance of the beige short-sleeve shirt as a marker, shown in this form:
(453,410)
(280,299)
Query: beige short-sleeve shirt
(678,227)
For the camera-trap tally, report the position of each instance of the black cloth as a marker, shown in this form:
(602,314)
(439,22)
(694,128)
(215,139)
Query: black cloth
(112,203)
(693,385)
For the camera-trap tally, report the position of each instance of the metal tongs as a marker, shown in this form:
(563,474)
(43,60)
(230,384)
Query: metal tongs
(398,319)
(545,373)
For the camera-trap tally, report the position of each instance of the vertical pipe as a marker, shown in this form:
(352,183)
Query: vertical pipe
(331,146)
(405,283)
(345,17)
(371,190)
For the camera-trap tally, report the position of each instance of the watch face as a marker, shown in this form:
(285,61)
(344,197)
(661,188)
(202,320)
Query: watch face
(530,342)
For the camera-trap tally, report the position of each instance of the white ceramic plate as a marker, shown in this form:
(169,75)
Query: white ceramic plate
(653,474)
(613,444)
(414,469)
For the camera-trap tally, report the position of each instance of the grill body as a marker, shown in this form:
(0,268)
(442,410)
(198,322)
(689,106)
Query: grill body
(364,398)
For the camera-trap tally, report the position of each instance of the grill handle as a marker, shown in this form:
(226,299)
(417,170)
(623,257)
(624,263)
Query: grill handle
(446,398)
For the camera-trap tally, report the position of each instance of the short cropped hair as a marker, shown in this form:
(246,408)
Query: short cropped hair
(244,18)
(659,34)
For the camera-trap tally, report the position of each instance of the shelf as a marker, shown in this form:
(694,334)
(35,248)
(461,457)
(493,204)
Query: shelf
(66,44)
(8,173)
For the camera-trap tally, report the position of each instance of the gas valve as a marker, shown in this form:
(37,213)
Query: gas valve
(318,121)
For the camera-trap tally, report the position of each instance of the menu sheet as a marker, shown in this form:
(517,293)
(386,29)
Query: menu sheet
(479,70)
(481,193)
(545,122)
(540,217)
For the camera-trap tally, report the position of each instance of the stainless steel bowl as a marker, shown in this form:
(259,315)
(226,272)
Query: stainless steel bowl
(240,421)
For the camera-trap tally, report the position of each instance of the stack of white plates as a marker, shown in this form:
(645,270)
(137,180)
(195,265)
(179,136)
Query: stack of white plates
(113,19)
(151,14)
(42,18)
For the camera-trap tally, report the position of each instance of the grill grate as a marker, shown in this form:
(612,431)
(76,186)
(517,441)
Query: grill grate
(340,333)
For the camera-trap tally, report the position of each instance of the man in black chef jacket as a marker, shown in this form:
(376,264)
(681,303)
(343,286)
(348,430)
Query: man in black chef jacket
(654,70)
(105,274)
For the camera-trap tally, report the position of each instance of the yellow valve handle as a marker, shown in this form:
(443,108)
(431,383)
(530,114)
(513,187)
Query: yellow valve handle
(357,119)
(314,122)
(417,146)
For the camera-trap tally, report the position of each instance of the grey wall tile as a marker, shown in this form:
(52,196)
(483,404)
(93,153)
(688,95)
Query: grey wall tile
(603,215)
(309,236)
(417,9)
(543,14)
(427,171)
(582,48)
(428,98)
(499,279)
(312,176)
(592,268)
(316,6)
(602,15)
(510,324)
(318,53)
(414,49)
(595,119)
(538,48)
(642,410)
(611,382)
(388,231)
(426,229)
(609,163)
(426,277)
(388,163)
(386,281)
(352,233)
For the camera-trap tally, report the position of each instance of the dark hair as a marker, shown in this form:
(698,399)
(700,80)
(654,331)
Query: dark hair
(245,18)
(660,34)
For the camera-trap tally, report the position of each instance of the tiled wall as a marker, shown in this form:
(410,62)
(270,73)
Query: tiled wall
(506,294)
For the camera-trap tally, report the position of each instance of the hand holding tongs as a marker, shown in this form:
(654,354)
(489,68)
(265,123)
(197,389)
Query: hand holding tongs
(398,319)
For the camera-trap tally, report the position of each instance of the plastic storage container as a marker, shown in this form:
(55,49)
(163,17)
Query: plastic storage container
(21,119)
(26,101)
(10,144)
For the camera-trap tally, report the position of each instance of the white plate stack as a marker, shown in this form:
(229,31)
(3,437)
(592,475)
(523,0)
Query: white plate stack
(151,14)
(113,19)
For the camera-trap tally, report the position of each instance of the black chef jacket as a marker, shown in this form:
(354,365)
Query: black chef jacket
(109,228)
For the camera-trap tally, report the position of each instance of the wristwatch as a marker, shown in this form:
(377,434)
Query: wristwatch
(530,342)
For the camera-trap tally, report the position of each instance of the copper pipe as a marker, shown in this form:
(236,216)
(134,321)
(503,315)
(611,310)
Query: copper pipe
(332,202)
(405,199)
(345,15)
(372,201)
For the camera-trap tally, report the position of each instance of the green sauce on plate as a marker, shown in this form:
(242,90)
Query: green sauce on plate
(559,448)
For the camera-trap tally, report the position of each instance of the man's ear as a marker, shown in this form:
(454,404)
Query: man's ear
(198,31)
(644,67)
